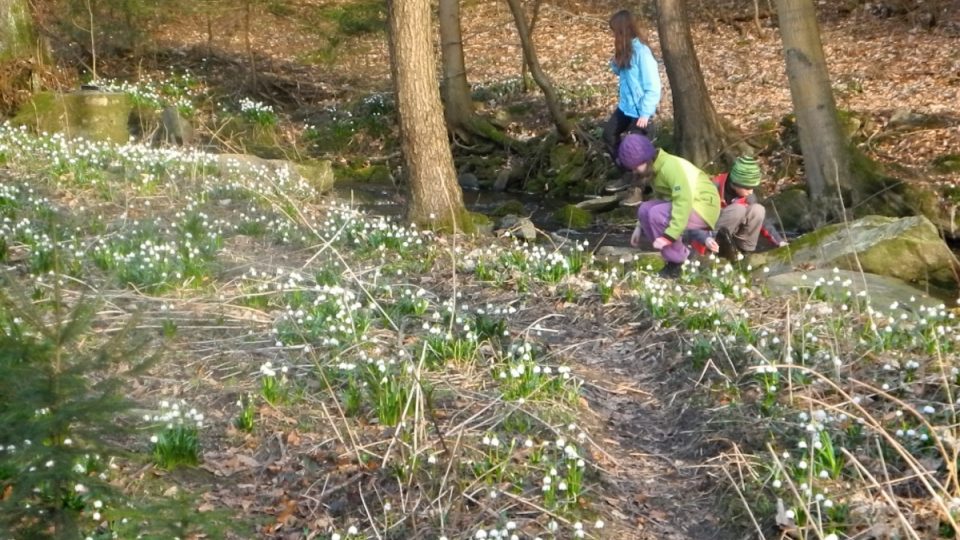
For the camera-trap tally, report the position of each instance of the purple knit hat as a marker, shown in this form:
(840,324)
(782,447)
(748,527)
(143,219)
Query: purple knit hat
(635,150)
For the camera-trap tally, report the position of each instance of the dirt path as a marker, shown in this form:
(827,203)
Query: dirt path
(650,436)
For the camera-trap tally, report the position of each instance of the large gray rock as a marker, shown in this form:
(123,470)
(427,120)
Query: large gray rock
(174,128)
(845,285)
(909,249)
(599,204)
(520,227)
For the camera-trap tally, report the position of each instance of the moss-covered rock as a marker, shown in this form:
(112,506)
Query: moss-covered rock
(511,207)
(573,217)
(91,114)
(909,249)
(43,112)
(482,225)
(318,173)
(375,173)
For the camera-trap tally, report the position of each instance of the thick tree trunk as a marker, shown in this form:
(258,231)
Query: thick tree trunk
(435,196)
(564,127)
(524,78)
(700,135)
(462,119)
(457,105)
(826,154)
(16,30)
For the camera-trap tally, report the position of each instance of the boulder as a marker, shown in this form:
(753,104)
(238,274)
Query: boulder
(520,227)
(89,113)
(508,207)
(468,181)
(599,204)
(175,129)
(573,216)
(319,174)
(841,285)
(909,249)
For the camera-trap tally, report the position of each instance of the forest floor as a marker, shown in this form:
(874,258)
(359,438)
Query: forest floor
(885,65)
(655,435)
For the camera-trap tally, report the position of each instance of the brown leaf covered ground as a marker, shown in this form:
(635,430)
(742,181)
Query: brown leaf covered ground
(651,440)
(881,64)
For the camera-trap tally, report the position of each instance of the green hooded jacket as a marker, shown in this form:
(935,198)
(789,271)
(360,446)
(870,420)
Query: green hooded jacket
(687,188)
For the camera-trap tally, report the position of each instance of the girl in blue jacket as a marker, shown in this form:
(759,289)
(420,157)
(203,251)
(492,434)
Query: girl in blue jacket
(639,77)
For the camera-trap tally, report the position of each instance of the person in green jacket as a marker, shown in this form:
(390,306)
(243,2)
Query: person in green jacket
(684,198)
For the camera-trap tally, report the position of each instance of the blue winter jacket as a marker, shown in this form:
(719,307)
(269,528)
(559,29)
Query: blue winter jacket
(639,83)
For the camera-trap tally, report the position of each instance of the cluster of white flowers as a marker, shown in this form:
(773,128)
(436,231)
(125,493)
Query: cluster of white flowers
(351,532)
(248,105)
(333,317)
(155,93)
(176,413)
(267,369)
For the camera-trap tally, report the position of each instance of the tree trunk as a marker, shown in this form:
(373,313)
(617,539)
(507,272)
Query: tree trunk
(826,154)
(458,110)
(700,135)
(435,196)
(564,128)
(456,90)
(23,57)
(524,78)
(16,30)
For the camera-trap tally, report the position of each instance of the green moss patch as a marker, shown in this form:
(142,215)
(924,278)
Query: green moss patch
(573,217)
(513,207)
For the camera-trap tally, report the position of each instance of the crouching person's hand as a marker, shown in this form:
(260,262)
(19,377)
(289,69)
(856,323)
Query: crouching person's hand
(635,237)
(661,243)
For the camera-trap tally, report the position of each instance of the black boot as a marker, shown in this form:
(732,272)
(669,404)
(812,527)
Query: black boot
(671,270)
(728,248)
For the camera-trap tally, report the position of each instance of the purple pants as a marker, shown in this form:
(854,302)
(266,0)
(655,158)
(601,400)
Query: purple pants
(654,217)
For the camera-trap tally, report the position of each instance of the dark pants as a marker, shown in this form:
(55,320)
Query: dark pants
(616,125)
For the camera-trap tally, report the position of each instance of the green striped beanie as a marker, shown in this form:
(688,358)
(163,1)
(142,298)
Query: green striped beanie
(745,172)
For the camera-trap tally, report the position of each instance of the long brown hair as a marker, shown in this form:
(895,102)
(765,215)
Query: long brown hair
(624,29)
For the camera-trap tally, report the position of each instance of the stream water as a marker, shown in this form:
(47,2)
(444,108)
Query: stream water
(389,201)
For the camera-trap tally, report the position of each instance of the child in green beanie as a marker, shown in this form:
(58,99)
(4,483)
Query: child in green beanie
(741,220)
